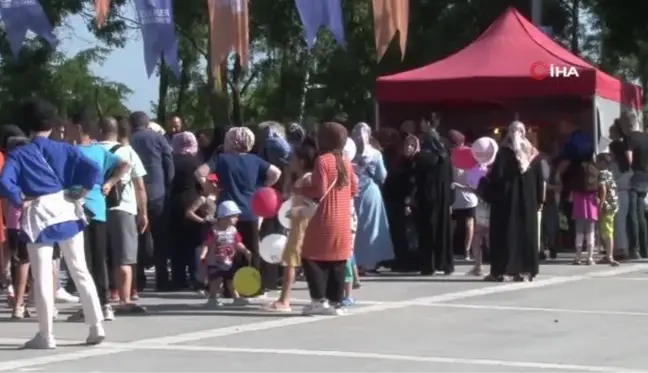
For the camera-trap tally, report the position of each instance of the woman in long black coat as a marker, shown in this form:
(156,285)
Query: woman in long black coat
(515,192)
(430,201)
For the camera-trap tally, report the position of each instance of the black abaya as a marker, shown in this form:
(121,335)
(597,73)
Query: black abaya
(433,197)
(515,199)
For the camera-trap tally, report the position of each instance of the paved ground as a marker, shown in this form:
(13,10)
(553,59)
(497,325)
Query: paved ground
(585,319)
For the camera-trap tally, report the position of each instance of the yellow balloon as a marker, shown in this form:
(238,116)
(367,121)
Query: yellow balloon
(247,281)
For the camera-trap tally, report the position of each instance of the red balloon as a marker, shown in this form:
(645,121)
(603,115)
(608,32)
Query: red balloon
(462,158)
(265,202)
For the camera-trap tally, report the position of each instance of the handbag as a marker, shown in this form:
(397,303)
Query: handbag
(114,196)
(309,207)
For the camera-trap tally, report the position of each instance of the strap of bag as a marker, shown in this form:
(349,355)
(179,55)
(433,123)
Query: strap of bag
(115,148)
(329,189)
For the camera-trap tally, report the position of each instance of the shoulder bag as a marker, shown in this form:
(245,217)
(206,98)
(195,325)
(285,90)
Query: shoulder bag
(309,207)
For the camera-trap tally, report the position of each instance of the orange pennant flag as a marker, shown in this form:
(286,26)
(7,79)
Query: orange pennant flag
(240,32)
(390,16)
(228,29)
(101,9)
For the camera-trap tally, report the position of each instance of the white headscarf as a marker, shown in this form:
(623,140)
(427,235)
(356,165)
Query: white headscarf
(517,141)
(361,135)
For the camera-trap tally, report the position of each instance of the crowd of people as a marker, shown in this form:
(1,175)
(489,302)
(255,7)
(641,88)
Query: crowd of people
(114,196)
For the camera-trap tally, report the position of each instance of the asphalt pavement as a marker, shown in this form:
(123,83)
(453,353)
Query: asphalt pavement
(572,318)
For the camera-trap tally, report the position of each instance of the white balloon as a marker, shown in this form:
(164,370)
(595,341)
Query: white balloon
(484,150)
(350,150)
(284,213)
(271,247)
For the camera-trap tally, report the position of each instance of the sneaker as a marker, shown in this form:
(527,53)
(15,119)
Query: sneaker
(40,342)
(20,312)
(240,302)
(63,296)
(134,295)
(108,313)
(96,335)
(214,303)
(340,310)
(348,302)
(76,317)
(317,308)
(55,313)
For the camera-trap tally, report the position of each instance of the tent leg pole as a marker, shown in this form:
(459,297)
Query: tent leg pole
(377,115)
(596,135)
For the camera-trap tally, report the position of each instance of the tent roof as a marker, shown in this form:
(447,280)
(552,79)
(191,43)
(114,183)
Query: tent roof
(497,65)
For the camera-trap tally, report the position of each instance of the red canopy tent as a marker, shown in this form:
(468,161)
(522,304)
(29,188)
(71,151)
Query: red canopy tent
(498,66)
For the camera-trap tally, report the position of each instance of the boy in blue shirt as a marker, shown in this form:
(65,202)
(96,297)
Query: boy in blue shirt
(85,131)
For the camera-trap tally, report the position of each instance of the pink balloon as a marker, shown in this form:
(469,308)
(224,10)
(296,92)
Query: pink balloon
(474,175)
(462,158)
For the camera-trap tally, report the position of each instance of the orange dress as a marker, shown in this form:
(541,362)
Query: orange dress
(328,235)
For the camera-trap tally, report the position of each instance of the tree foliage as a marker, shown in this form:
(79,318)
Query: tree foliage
(341,79)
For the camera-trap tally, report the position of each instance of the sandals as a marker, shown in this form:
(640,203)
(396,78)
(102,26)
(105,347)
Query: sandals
(277,307)
(475,272)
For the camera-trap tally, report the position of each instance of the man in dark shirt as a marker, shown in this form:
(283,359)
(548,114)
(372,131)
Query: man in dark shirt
(637,155)
(155,152)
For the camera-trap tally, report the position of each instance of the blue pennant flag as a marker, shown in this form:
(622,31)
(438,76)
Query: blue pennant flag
(158,32)
(19,16)
(321,13)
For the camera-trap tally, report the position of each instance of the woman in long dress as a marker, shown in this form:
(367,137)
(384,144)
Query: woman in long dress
(372,242)
(515,194)
(430,200)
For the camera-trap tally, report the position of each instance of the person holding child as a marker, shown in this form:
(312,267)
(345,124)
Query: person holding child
(302,164)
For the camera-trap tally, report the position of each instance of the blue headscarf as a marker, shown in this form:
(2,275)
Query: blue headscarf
(276,149)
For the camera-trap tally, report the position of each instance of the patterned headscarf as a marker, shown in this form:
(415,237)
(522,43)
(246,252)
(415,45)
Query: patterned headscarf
(517,141)
(239,140)
(295,134)
(185,143)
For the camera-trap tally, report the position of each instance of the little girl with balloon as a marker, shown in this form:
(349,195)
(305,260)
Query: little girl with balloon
(223,253)
(475,160)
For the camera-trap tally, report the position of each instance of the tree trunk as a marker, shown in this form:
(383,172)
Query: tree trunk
(183,85)
(162,93)
(575,29)
(237,115)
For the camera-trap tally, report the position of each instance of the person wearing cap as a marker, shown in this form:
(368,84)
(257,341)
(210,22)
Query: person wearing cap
(223,253)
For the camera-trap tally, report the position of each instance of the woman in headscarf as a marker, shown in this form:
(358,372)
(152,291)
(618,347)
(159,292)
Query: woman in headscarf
(240,174)
(430,199)
(514,191)
(327,241)
(185,190)
(394,192)
(372,242)
(464,204)
(273,148)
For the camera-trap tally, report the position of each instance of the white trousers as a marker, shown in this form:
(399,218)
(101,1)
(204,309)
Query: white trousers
(40,258)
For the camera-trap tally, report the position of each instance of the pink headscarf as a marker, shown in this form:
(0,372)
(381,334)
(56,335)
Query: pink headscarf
(185,143)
